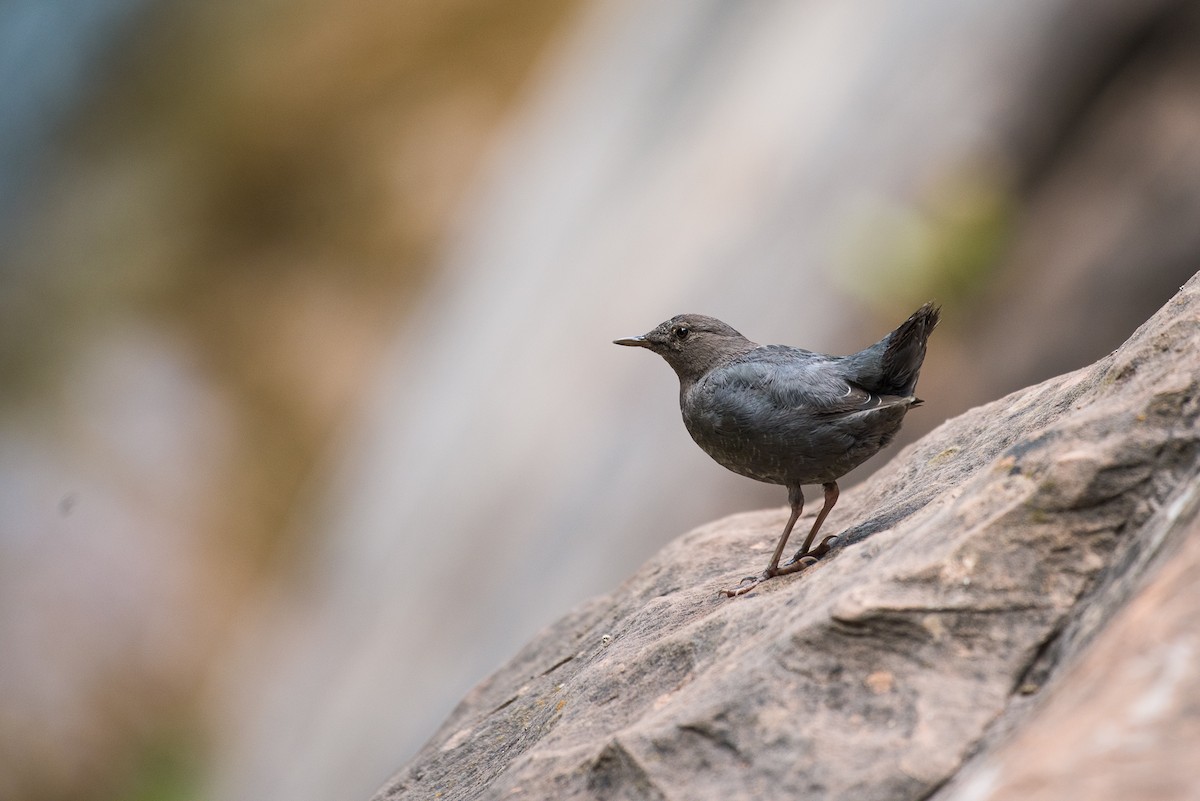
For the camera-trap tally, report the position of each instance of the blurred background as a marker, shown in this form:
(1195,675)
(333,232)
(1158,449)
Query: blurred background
(308,411)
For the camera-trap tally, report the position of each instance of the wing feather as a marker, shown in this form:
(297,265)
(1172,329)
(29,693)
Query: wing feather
(786,387)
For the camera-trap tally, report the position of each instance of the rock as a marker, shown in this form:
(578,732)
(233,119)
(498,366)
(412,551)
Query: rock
(1125,721)
(975,570)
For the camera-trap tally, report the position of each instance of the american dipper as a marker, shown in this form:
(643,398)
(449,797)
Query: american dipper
(789,416)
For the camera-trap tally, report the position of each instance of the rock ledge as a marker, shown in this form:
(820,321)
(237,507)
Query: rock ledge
(933,653)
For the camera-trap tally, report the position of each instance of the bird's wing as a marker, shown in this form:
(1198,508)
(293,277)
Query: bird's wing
(789,381)
(858,400)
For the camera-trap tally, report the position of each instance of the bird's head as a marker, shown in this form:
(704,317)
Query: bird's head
(692,344)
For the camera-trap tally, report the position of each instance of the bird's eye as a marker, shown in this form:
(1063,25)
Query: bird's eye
(681,332)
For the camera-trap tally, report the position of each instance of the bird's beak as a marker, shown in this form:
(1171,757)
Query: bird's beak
(636,342)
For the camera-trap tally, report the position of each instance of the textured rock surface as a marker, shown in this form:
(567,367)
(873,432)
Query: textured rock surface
(977,567)
(1125,722)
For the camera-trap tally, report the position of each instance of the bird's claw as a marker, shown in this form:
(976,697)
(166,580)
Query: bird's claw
(825,546)
(795,566)
(745,585)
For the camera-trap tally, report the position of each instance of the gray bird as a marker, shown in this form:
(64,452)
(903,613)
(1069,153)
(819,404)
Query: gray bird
(789,416)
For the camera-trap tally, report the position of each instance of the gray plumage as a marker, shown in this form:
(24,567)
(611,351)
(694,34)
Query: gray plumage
(789,416)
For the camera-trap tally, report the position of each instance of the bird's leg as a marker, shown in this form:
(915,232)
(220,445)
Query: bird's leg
(831,496)
(796,500)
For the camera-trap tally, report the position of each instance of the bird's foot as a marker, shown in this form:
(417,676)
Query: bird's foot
(748,583)
(825,546)
(796,565)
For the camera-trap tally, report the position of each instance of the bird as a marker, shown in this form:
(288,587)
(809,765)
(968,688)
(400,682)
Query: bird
(789,416)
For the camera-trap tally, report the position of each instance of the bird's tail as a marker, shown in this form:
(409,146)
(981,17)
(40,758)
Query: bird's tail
(905,349)
(893,364)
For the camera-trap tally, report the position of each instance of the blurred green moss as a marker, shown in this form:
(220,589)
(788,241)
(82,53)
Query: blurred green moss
(169,768)
(942,244)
